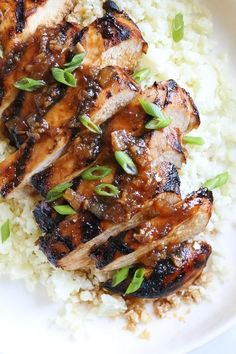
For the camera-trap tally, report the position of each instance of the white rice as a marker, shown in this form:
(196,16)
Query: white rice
(196,65)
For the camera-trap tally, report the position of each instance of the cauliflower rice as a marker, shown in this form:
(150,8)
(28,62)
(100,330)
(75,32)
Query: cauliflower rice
(195,64)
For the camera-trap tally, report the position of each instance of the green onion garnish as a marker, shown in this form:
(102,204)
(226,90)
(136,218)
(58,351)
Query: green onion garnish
(141,75)
(75,63)
(178,27)
(95,173)
(5,230)
(64,210)
(193,140)
(156,124)
(86,121)
(28,84)
(120,276)
(64,77)
(152,109)
(160,120)
(217,181)
(136,281)
(107,190)
(126,163)
(57,192)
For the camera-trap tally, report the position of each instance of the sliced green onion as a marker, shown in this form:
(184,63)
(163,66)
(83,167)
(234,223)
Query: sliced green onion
(120,276)
(75,63)
(57,192)
(156,124)
(86,121)
(5,230)
(107,190)
(136,281)
(126,163)
(141,75)
(64,210)
(178,27)
(95,173)
(28,84)
(193,140)
(152,109)
(64,77)
(217,181)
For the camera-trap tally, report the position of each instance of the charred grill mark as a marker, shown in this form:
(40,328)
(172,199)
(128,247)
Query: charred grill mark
(110,29)
(13,59)
(78,37)
(65,238)
(110,6)
(46,217)
(203,193)
(19,168)
(2,91)
(170,179)
(105,253)
(57,246)
(20,15)
(90,228)
(175,141)
(92,91)
(171,87)
(15,108)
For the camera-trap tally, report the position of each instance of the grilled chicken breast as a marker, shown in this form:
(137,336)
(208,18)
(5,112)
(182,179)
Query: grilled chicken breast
(167,272)
(135,191)
(165,145)
(98,97)
(174,224)
(21,18)
(146,224)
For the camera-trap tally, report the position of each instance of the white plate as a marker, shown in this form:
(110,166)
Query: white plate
(26,320)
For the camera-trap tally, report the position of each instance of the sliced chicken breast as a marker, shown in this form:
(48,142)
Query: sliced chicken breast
(92,40)
(165,145)
(175,224)
(98,97)
(21,18)
(167,272)
(49,48)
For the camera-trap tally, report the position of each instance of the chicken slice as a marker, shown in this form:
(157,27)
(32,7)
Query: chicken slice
(113,35)
(177,223)
(91,40)
(50,47)
(99,97)
(21,18)
(79,231)
(166,272)
(165,144)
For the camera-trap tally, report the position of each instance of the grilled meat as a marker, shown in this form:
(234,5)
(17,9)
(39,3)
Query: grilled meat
(49,47)
(146,224)
(174,223)
(74,231)
(21,18)
(99,97)
(165,145)
(135,191)
(115,36)
(32,61)
(166,273)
